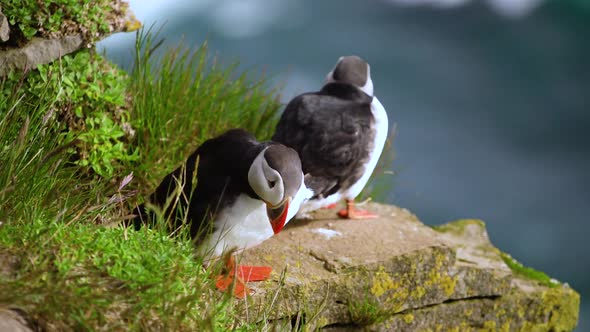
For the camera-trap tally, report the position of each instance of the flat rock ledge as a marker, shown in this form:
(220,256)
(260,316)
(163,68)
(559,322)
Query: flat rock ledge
(38,51)
(396,274)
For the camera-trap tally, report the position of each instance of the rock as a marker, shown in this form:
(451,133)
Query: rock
(4,28)
(38,51)
(396,274)
(13,321)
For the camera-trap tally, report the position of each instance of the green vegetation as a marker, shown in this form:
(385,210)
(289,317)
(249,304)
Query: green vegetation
(457,227)
(527,272)
(368,312)
(108,278)
(88,97)
(182,97)
(50,18)
(66,150)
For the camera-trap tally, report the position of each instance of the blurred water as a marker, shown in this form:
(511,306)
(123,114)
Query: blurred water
(492,112)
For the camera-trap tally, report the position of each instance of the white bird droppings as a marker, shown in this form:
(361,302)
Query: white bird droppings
(327,233)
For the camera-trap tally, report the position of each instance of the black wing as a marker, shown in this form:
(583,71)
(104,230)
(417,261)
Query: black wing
(331,135)
(221,167)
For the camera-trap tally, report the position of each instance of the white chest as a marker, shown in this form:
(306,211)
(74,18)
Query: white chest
(242,225)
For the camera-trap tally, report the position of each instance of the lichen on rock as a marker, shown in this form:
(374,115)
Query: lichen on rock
(401,275)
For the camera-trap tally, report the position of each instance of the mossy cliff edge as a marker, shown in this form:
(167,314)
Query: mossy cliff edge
(396,274)
(34,33)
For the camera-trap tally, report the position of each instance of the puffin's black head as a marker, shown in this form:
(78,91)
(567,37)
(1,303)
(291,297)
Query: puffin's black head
(352,70)
(276,176)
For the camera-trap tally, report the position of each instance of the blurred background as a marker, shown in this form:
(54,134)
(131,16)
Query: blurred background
(490,99)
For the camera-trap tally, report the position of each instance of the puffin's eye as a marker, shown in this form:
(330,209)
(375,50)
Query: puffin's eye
(271,183)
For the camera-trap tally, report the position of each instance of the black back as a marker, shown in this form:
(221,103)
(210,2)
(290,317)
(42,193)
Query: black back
(222,165)
(331,131)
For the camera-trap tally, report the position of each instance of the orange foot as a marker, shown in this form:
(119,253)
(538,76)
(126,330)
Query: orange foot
(244,274)
(331,206)
(353,213)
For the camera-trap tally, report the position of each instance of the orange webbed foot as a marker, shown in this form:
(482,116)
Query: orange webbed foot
(351,212)
(239,275)
(330,206)
(240,290)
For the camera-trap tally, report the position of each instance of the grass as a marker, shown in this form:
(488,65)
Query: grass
(109,278)
(182,97)
(366,312)
(366,309)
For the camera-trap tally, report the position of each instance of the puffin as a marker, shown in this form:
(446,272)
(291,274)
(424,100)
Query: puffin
(339,133)
(234,193)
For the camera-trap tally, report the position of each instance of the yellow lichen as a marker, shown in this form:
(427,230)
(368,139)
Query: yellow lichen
(505,327)
(408,318)
(489,325)
(420,292)
(520,312)
(322,321)
(131,24)
(464,326)
(447,284)
(382,282)
(443,281)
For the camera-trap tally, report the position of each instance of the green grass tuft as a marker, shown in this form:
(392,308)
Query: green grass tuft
(367,312)
(181,97)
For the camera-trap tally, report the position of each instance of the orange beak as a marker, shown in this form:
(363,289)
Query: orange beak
(278,215)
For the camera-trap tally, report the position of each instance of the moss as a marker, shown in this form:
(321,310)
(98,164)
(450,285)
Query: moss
(458,226)
(527,272)
(92,19)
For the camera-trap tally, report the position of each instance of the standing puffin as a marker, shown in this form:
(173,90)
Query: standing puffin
(339,133)
(245,192)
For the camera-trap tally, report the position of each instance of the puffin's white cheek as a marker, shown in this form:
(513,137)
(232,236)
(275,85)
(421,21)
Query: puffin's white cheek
(276,193)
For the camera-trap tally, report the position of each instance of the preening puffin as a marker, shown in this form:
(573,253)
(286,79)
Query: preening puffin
(339,133)
(242,193)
